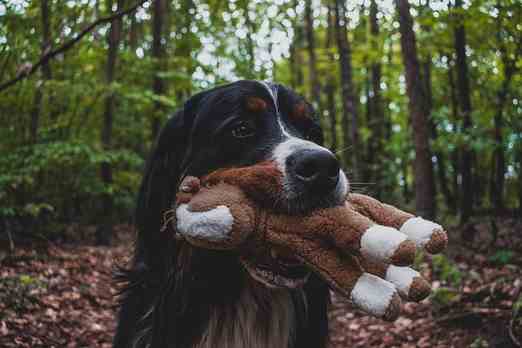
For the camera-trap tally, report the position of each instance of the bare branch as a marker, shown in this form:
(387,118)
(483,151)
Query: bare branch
(24,73)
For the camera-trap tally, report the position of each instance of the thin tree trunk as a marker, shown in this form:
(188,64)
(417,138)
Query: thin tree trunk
(428,93)
(298,45)
(389,82)
(378,117)
(104,231)
(499,160)
(291,64)
(464,99)
(158,53)
(424,183)
(315,87)
(455,162)
(370,156)
(349,96)
(47,42)
(249,42)
(519,155)
(133,33)
(35,113)
(330,83)
(46,71)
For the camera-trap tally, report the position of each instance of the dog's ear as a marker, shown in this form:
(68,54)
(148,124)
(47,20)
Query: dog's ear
(159,184)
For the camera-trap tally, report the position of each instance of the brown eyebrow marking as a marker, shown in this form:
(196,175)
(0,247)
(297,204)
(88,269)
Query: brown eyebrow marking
(300,111)
(255,104)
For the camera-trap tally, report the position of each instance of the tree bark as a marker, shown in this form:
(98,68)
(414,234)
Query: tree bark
(158,53)
(509,68)
(249,42)
(133,33)
(315,87)
(464,102)
(349,96)
(297,45)
(455,161)
(519,159)
(423,169)
(378,119)
(46,71)
(330,83)
(104,231)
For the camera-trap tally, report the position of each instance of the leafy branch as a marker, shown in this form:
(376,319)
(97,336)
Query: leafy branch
(30,69)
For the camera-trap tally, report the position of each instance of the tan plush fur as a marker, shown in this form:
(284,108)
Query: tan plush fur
(342,244)
(261,318)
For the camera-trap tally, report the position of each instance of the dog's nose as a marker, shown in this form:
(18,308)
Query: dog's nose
(318,170)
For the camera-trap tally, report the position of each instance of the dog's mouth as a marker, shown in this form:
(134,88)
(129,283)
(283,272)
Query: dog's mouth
(276,268)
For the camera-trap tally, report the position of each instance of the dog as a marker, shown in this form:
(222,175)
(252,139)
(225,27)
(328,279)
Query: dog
(176,295)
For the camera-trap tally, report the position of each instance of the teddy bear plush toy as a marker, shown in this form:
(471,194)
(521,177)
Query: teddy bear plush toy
(362,249)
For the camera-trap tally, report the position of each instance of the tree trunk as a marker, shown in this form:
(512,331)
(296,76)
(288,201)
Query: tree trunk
(133,33)
(428,93)
(455,162)
(298,45)
(330,83)
(424,183)
(378,118)
(464,101)
(46,71)
(249,42)
(315,87)
(47,42)
(499,160)
(35,113)
(104,231)
(158,53)
(519,155)
(349,97)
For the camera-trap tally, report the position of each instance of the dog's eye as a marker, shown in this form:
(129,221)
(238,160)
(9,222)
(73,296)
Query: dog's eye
(242,130)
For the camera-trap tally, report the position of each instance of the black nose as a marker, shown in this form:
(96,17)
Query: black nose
(318,170)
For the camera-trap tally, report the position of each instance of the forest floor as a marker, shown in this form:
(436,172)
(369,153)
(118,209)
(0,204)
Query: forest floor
(62,295)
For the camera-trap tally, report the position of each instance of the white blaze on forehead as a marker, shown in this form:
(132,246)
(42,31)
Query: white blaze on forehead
(401,277)
(380,242)
(273,95)
(372,294)
(212,225)
(419,230)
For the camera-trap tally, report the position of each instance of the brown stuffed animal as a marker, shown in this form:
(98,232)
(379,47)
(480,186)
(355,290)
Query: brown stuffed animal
(361,249)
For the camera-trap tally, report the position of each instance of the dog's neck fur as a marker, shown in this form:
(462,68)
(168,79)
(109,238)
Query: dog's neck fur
(261,318)
(253,315)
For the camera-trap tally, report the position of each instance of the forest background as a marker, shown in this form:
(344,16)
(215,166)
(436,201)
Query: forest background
(420,100)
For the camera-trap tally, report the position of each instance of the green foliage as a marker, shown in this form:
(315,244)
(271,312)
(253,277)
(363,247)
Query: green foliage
(443,297)
(56,179)
(479,342)
(502,257)
(446,271)
(44,179)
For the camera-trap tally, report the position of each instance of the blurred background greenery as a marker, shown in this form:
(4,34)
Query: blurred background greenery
(76,132)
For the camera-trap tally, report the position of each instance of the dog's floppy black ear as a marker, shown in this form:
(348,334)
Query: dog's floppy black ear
(159,185)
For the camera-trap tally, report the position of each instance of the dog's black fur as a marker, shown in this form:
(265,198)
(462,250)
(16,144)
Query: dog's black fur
(171,288)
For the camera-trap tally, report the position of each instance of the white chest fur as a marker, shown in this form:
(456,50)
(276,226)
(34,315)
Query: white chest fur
(261,318)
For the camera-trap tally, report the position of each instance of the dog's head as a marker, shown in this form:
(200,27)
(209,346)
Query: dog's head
(236,125)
